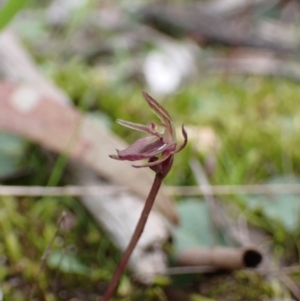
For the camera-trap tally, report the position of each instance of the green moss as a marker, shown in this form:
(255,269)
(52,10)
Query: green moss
(238,286)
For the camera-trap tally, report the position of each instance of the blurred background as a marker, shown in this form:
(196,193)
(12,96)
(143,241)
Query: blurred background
(229,70)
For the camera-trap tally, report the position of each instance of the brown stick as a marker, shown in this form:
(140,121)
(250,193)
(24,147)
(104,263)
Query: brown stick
(221,257)
(265,189)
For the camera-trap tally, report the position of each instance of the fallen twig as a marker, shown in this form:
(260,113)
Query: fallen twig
(220,257)
(265,189)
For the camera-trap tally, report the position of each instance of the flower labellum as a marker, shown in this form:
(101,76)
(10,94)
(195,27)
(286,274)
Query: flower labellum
(158,148)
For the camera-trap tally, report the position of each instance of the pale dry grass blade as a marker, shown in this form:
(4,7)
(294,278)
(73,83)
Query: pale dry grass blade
(261,189)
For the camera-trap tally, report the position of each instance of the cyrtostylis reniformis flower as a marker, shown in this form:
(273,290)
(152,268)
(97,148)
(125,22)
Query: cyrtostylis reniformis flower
(159,149)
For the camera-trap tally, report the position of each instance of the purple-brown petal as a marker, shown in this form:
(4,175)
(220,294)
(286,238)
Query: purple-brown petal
(156,107)
(139,127)
(163,115)
(185,137)
(143,148)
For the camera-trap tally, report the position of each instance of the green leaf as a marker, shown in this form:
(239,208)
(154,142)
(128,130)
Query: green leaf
(125,287)
(9,10)
(195,225)
(12,149)
(282,207)
(67,263)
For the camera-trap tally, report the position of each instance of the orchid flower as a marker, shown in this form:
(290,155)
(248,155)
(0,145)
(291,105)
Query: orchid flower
(159,148)
(155,144)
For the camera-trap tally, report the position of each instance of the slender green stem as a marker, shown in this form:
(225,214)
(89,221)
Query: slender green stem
(135,237)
